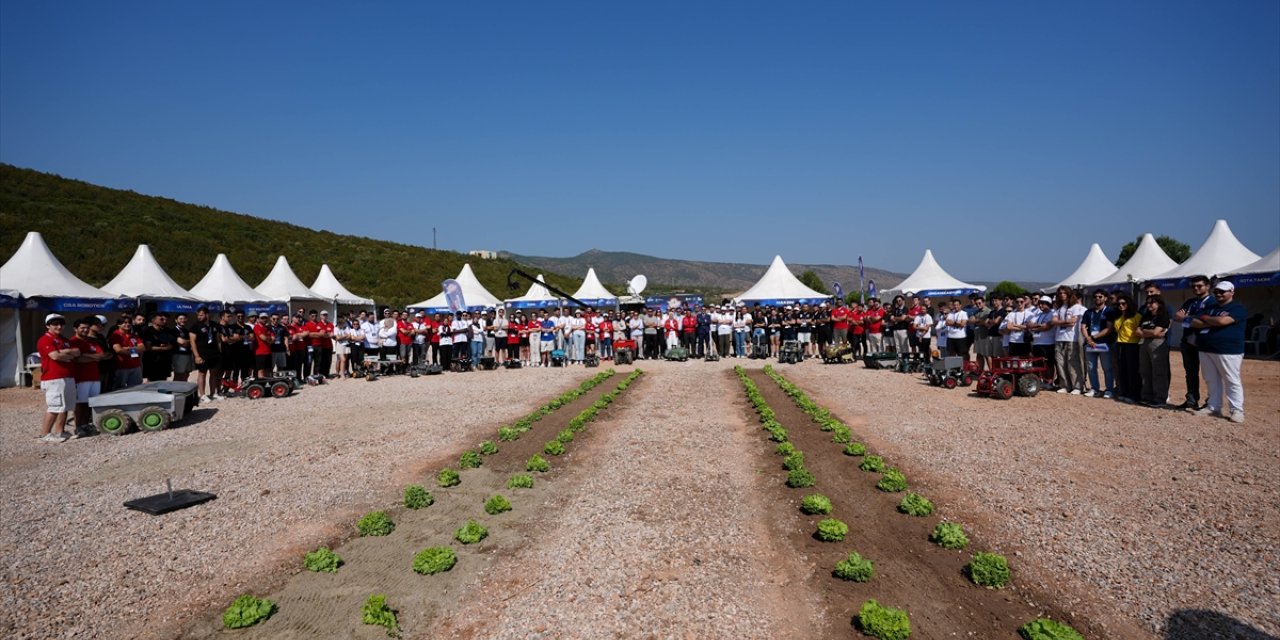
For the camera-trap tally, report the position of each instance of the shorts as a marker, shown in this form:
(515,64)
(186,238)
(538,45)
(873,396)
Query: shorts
(86,390)
(341,349)
(262,361)
(182,362)
(547,346)
(280,359)
(804,337)
(210,364)
(59,394)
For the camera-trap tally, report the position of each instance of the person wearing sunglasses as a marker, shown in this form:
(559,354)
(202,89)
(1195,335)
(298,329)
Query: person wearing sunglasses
(1190,309)
(1128,378)
(1220,339)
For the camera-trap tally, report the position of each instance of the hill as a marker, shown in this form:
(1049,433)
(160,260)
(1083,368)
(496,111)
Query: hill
(726,277)
(95,230)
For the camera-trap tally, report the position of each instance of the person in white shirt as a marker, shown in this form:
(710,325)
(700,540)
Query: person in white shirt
(477,338)
(954,323)
(388,338)
(461,329)
(1015,327)
(636,326)
(558,318)
(1067,352)
(576,327)
(741,323)
(922,325)
(499,325)
(724,331)
(1042,332)
(419,337)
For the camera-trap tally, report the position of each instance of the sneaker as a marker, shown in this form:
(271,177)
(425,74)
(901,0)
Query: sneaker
(1127,400)
(218,396)
(1237,417)
(1206,411)
(205,398)
(1061,390)
(1075,392)
(1106,395)
(1092,394)
(55,437)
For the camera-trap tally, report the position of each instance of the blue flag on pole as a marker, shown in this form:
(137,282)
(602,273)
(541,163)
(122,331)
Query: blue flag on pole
(862,280)
(839,290)
(453,293)
(871,289)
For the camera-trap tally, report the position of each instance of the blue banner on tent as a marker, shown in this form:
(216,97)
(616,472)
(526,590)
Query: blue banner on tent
(10,302)
(533,304)
(783,302)
(1264,279)
(678,301)
(185,306)
(259,308)
(78,304)
(943,293)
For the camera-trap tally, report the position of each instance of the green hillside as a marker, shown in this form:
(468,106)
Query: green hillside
(95,231)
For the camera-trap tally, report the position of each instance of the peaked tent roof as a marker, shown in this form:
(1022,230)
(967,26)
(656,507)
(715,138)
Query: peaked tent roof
(779,286)
(931,280)
(592,292)
(536,297)
(327,285)
(1264,272)
(223,284)
(473,293)
(283,284)
(1220,252)
(1095,267)
(143,277)
(35,272)
(1147,261)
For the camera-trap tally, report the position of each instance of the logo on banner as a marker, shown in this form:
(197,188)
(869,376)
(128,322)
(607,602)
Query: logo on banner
(453,293)
(871,288)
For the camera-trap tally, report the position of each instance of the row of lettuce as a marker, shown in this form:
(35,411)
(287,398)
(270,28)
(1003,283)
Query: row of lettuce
(248,610)
(886,623)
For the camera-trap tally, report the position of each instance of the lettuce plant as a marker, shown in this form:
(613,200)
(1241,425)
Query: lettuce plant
(471,532)
(417,497)
(470,460)
(376,612)
(800,478)
(893,481)
(553,448)
(854,568)
(520,481)
(537,463)
(855,449)
(565,436)
(433,560)
(988,570)
(794,461)
(508,434)
(816,504)
(914,504)
(497,504)
(842,435)
(375,523)
(882,622)
(322,560)
(832,530)
(247,611)
(488,448)
(872,463)
(949,535)
(448,478)
(785,449)
(1046,629)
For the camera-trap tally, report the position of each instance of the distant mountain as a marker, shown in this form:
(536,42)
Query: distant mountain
(725,277)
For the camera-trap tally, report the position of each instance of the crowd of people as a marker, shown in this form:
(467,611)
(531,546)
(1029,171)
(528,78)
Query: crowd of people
(1107,345)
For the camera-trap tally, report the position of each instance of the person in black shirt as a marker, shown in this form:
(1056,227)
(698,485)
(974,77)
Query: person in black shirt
(182,362)
(206,349)
(161,341)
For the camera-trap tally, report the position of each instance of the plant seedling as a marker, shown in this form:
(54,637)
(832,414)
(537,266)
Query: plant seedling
(375,523)
(448,478)
(794,461)
(433,560)
(832,530)
(537,463)
(376,612)
(785,449)
(470,460)
(508,434)
(855,449)
(553,448)
(322,560)
(872,463)
(497,504)
(914,504)
(1046,629)
(949,535)
(800,478)
(520,481)
(247,611)
(816,504)
(893,481)
(988,570)
(488,448)
(471,532)
(416,497)
(565,436)
(882,622)
(854,568)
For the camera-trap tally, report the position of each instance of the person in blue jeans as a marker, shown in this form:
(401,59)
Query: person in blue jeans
(1099,341)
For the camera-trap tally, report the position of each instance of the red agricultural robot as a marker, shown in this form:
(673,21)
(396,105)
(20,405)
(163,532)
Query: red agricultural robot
(1025,375)
(952,371)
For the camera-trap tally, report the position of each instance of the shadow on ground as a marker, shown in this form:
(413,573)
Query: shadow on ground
(1200,624)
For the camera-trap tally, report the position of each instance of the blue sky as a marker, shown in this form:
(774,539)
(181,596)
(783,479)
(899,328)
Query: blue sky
(1005,136)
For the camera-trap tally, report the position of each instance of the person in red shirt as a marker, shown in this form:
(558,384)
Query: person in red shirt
(311,330)
(688,328)
(840,324)
(88,378)
(672,327)
(873,319)
(262,338)
(404,337)
(858,329)
(57,378)
(297,345)
(326,345)
(129,349)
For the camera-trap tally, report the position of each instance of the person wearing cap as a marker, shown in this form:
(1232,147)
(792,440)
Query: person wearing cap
(922,334)
(954,323)
(87,376)
(57,378)
(107,367)
(873,322)
(1220,340)
(840,318)
(822,331)
(1042,335)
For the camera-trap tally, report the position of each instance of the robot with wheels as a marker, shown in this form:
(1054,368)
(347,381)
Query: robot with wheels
(837,354)
(151,407)
(1025,375)
(790,352)
(953,371)
(624,351)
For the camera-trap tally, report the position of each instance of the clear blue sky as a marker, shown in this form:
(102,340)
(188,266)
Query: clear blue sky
(1005,136)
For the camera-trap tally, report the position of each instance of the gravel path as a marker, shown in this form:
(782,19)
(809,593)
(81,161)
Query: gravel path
(290,475)
(655,532)
(1119,511)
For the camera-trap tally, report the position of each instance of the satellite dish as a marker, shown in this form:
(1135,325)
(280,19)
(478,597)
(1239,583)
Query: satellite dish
(637,284)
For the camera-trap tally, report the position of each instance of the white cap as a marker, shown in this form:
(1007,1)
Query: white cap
(1225,285)
(52,317)
(1046,299)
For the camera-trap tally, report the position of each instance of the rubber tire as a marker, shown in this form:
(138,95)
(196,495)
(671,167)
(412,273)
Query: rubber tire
(254,391)
(281,390)
(1003,389)
(966,380)
(154,419)
(110,417)
(1028,385)
(949,382)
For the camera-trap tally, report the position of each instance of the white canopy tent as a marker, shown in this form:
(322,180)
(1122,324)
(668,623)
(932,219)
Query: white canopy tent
(1263,272)
(223,284)
(1094,267)
(593,294)
(1147,261)
(779,287)
(283,284)
(144,279)
(474,295)
(932,281)
(327,285)
(35,283)
(1220,252)
(537,297)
